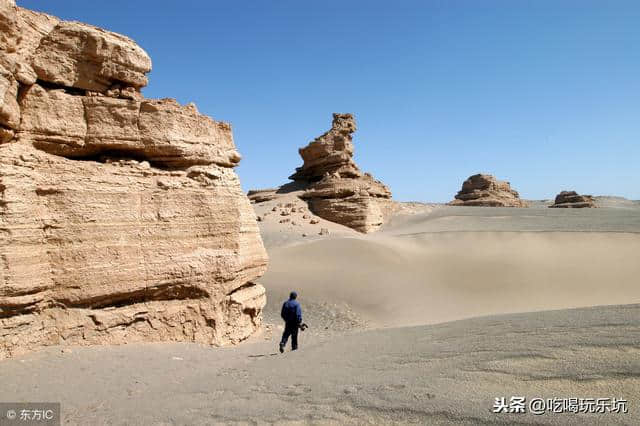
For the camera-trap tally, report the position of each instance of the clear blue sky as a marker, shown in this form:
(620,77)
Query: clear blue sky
(544,93)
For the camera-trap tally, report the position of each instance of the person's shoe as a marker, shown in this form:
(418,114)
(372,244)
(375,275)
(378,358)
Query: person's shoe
(281,348)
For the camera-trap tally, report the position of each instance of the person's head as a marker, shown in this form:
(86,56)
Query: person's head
(293,295)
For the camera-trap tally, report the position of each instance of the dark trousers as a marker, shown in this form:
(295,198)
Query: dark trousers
(290,329)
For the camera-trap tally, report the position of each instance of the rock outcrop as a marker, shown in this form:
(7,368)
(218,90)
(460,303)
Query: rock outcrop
(121,218)
(486,191)
(86,57)
(262,195)
(571,199)
(330,153)
(336,188)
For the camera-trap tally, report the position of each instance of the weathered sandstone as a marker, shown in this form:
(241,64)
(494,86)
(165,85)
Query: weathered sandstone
(486,191)
(262,195)
(121,218)
(332,152)
(160,131)
(20,34)
(8,26)
(32,27)
(9,109)
(337,190)
(85,57)
(571,199)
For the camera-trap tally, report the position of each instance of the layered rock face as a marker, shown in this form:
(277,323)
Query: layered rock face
(571,199)
(337,190)
(262,195)
(486,191)
(330,153)
(121,218)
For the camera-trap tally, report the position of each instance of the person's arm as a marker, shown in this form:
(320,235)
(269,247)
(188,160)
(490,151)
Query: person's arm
(299,313)
(282,311)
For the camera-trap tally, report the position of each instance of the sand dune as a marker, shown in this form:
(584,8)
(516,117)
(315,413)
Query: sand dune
(438,266)
(428,278)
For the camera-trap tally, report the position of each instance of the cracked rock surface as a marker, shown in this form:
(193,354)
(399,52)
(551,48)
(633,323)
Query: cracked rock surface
(121,218)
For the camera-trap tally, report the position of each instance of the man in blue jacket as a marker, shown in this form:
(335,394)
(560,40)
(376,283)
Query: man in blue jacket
(292,316)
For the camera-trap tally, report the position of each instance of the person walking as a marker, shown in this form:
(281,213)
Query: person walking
(292,316)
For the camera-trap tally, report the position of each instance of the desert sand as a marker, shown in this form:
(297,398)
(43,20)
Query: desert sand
(442,263)
(442,374)
(407,325)
(125,230)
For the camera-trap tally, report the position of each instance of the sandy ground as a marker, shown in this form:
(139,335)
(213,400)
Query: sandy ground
(447,263)
(405,327)
(429,278)
(441,374)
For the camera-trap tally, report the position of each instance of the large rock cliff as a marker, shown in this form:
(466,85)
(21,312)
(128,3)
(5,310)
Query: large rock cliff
(121,218)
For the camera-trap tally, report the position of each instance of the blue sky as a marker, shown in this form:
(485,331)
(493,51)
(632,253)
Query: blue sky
(544,93)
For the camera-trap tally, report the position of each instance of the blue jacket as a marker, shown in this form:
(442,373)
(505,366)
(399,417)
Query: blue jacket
(291,311)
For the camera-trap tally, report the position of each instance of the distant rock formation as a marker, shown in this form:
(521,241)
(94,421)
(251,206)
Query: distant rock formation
(337,190)
(571,199)
(262,195)
(332,184)
(121,218)
(331,153)
(486,191)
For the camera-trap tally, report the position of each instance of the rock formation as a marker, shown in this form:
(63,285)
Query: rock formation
(330,153)
(336,188)
(262,195)
(121,218)
(571,199)
(487,191)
